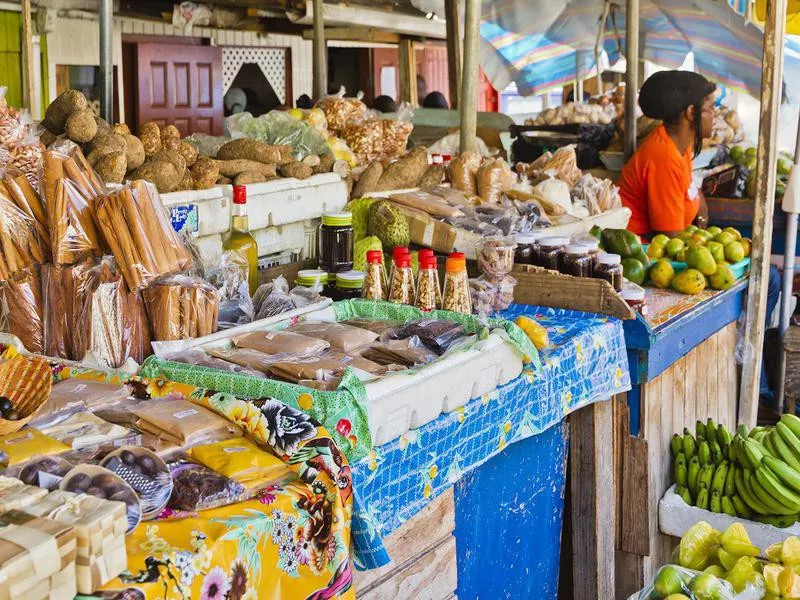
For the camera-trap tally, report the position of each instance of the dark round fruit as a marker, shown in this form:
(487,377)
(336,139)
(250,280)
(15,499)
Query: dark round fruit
(5,404)
(12,415)
(128,457)
(79,482)
(149,466)
(96,492)
(120,496)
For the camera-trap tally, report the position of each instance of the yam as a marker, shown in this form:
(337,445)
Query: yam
(171,144)
(106,144)
(47,137)
(188,152)
(296,169)
(81,126)
(325,164)
(170,132)
(60,109)
(112,167)
(312,160)
(222,180)
(248,177)
(249,149)
(102,125)
(134,151)
(121,129)
(432,176)
(231,168)
(405,172)
(205,172)
(150,134)
(369,180)
(187,183)
(174,158)
(161,173)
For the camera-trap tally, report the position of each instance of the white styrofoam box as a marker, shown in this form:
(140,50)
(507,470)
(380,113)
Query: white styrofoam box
(675,517)
(399,402)
(283,201)
(210,248)
(213,207)
(291,236)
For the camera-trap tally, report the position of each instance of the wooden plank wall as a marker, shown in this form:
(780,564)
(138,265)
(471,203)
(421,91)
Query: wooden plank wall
(700,385)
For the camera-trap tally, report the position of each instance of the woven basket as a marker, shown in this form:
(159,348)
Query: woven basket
(27,382)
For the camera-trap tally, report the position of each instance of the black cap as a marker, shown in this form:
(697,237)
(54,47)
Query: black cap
(667,94)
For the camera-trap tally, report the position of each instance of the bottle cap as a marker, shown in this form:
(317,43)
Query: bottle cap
(425,252)
(427,262)
(578,249)
(374,257)
(337,219)
(609,259)
(403,261)
(528,238)
(591,244)
(399,251)
(458,255)
(554,242)
(350,280)
(239,194)
(309,277)
(455,264)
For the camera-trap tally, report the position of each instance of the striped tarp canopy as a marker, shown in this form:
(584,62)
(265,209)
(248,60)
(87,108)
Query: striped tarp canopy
(541,45)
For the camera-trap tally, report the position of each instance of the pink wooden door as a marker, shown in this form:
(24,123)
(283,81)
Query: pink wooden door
(181,85)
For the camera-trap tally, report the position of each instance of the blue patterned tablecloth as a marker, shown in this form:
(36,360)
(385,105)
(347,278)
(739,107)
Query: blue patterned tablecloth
(586,362)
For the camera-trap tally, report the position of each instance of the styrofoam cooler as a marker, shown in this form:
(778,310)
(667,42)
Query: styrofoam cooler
(283,213)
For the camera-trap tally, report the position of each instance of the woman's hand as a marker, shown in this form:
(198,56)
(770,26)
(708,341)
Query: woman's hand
(701,220)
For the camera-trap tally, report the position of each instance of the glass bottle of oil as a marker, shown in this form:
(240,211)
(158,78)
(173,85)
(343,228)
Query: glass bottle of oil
(240,239)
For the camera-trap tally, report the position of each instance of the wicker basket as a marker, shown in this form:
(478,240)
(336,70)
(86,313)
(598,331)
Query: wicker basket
(27,382)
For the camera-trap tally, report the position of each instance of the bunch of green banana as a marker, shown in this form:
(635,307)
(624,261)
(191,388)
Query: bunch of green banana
(766,462)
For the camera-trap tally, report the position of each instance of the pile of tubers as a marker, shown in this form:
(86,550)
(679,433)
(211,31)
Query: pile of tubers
(159,155)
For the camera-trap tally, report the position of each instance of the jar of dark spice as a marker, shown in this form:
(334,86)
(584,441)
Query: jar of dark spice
(549,252)
(336,242)
(635,299)
(576,261)
(349,285)
(527,247)
(609,267)
(594,251)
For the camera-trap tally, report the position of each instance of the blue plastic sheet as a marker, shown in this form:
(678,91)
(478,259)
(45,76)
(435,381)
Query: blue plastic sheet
(586,363)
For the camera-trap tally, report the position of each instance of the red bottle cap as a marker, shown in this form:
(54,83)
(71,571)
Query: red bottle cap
(400,251)
(425,252)
(427,262)
(403,261)
(374,257)
(458,255)
(239,194)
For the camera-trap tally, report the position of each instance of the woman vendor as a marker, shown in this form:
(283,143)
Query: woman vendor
(656,183)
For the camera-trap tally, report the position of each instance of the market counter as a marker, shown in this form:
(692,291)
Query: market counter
(505,453)
(683,368)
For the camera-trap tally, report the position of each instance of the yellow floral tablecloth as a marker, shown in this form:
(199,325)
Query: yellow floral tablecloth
(291,541)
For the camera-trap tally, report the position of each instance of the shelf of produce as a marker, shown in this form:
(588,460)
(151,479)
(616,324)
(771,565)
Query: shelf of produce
(283,213)
(682,367)
(738,213)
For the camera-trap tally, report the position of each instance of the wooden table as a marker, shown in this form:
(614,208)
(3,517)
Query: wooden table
(681,371)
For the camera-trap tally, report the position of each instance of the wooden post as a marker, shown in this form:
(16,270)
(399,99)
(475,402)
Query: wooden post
(631,75)
(107,60)
(320,52)
(453,20)
(407,64)
(29,93)
(469,77)
(592,484)
(771,86)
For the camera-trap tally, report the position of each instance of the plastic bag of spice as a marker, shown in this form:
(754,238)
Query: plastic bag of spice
(436,334)
(196,487)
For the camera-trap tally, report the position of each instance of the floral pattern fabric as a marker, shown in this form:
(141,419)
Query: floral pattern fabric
(586,363)
(291,541)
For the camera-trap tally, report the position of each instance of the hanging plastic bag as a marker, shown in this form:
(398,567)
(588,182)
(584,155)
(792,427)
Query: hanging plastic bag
(235,304)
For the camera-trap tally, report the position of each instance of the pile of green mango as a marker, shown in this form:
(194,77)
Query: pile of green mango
(747,158)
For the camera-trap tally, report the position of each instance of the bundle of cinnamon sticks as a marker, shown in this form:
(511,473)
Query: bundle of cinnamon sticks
(63,295)
(21,244)
(134,222)
(69,188)
(181,308)
(21,308)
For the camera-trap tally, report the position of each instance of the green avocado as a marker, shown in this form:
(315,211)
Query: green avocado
(633,270)
(622,242)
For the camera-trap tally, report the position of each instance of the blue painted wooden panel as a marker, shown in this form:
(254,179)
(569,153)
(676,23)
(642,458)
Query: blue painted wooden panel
(509,514)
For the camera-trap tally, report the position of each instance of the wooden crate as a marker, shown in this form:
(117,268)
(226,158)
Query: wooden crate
(423,553)
(701,384)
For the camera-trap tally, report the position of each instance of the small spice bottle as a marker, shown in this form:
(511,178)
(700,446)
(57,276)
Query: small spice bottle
(336,242)
(635,299)
(527,247)
(550,250)
(609,267)
(376,286)
(429,293)
(401,289)
(575,261)
(456,295)
(397,252)
(349,285)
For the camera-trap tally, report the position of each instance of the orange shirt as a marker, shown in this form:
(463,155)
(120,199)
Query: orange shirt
(657,186)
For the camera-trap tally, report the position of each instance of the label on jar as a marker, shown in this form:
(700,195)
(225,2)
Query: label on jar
(185,413)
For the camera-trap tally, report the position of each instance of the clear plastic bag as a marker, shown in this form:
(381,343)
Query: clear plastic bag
(20,243)
(339,111)
(194,356)
(338,335)
(181,307)
(463,171)
(277,301)
(598,195)
(21,309)
(277,127)
(436,334)
(207,145)
(196,487)
(491,295)
(281,342)
(672,579)
(235,304)
(492,179)
(142,239)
